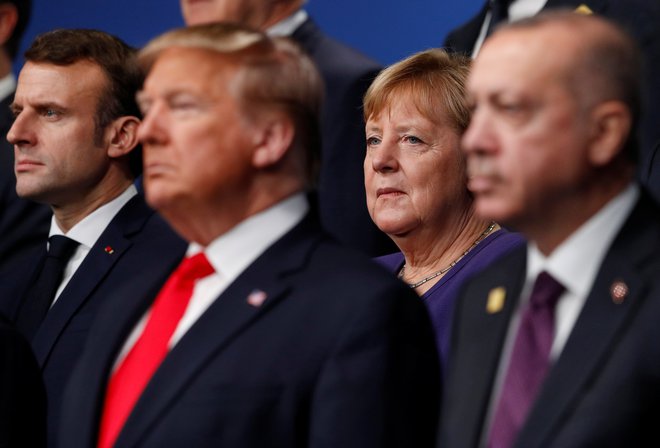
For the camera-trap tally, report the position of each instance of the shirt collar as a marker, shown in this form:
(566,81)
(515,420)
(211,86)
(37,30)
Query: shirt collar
(289,25)
(90,228)
(575,262)
(249,239)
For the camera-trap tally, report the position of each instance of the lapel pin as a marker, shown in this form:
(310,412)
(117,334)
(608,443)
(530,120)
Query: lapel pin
(109,250)
(496,298)
(618,291)
(256,298)
(583,9)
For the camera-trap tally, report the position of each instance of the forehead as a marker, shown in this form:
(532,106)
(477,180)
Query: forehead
(190,69)
(44,81)
(522,59)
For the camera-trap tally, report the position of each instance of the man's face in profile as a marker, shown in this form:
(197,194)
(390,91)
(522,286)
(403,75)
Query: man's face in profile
(196,139)
(527,141)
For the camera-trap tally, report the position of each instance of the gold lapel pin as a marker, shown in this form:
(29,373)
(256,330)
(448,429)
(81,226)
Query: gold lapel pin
(583,9)
(496,298)
(619,291)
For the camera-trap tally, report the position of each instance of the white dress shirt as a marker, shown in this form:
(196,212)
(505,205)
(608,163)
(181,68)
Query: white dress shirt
(230,254)
(574,264)
(87,231)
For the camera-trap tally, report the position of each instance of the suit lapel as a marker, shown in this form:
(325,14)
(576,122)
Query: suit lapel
(218,327)
(490,327)
(95,267)
(597,330)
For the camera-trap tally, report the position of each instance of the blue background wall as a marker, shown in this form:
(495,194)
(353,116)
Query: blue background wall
(387,30)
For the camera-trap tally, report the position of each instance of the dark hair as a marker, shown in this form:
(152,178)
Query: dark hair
(23,10)
(115,58)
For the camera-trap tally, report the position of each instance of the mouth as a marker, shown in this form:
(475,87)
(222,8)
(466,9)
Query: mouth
(24,165)
(481,174)
(388,192)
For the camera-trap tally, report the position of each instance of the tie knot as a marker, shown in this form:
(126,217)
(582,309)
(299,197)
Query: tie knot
(61,247)
(195,267)
(546,291)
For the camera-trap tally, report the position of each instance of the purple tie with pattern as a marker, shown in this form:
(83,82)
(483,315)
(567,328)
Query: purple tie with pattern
(529,362)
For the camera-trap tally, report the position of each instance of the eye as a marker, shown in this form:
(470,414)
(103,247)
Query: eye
(51,113)
(373,141)
(413,140)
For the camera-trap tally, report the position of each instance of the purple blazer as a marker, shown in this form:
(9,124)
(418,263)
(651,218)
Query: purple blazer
(441,297)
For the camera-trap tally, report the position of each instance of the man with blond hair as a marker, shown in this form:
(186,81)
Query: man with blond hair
(268,333)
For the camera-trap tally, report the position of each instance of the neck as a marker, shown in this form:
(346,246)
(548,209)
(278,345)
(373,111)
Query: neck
(72,213)
(557,222)
(433,256)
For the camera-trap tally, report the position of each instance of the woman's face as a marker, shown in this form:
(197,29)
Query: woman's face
(414,170)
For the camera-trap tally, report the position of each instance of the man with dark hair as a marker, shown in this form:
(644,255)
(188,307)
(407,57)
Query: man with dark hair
(74,132)
(640,18)
(346,74)
(269,333)
(23,223)
(557,345)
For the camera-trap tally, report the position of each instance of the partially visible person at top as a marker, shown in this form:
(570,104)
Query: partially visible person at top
(416,181)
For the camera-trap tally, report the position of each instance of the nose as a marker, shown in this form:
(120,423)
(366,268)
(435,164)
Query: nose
(21,134)
(152,129)
(383,157)
(480,135)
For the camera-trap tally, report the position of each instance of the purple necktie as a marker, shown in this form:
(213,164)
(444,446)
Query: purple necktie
(529,362)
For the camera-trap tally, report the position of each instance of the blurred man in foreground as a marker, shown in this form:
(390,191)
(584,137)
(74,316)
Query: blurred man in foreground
(268,333)
(557,345)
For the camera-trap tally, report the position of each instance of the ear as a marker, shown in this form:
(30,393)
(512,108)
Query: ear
(273,141)
(122,136)
(8,19)
(611,126)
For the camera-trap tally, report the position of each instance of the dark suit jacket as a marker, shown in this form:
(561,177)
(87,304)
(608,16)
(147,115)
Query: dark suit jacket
(347,75)
(604,389)
(339,355)
(139,240)
(22,394)
(640,18)
(23,224)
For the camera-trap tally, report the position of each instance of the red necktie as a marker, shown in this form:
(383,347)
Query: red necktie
(529,362)
(135,371)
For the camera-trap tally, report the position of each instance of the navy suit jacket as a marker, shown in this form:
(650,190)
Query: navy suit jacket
(23,224)
(340,354)
(347,75)
(640,18)
(604,389)
(22,394)
(136,239)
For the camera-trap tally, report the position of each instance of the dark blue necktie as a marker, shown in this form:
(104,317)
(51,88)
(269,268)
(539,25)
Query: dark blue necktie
(40,296)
